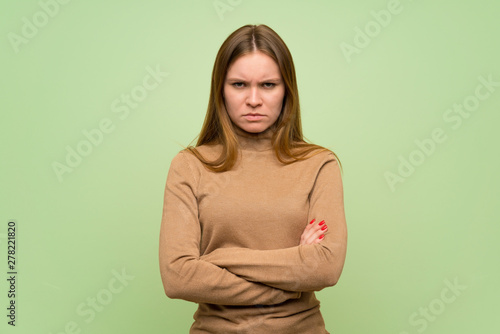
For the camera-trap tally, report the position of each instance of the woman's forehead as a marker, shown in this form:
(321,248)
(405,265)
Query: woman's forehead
(255,65)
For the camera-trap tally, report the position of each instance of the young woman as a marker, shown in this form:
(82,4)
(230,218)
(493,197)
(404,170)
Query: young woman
(253,219)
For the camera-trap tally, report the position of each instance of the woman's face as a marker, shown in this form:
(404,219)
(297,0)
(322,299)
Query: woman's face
(253,92)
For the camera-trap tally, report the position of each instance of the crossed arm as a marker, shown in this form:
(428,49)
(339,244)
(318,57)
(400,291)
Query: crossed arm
(308,266)
(184,274)
(240,276)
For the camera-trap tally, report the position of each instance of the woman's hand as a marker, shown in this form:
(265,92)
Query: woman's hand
(313,233)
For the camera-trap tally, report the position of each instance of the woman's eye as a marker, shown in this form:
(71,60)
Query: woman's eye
(238,84)
(269,85)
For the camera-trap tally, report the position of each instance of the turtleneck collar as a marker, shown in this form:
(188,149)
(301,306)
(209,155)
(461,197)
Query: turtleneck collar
(254,141)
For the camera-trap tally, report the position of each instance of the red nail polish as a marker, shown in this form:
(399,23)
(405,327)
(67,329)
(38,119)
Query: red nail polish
(322,236)
(312,221)
(321,222)
(324,228)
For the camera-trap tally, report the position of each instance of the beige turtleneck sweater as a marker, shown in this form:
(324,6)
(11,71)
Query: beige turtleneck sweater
(230,241)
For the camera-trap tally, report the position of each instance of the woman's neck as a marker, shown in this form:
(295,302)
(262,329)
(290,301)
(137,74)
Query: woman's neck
(254,141)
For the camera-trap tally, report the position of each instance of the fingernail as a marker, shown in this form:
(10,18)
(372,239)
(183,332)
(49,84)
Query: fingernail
(321,222)
(324,227)
(322,236)
(312,221)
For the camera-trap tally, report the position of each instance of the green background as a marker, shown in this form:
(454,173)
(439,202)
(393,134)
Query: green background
(405,242)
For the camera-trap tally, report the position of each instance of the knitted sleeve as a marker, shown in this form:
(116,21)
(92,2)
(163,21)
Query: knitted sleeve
(303,267)
(183,273)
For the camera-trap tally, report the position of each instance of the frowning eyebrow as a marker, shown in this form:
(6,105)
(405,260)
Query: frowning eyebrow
(236,79)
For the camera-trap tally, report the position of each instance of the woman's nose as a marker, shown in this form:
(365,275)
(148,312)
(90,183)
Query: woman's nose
(254,98)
